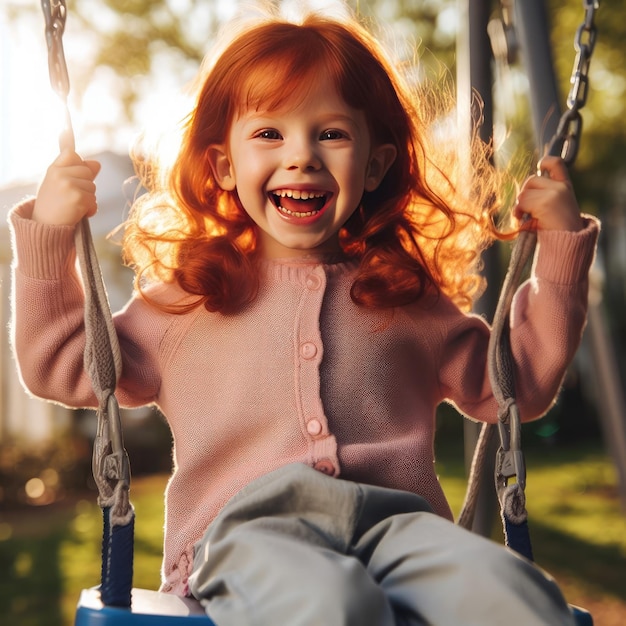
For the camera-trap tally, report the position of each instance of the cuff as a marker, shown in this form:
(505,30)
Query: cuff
(565,257)
(41,251)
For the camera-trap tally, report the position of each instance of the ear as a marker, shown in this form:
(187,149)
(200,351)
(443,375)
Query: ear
(381,159)
(221,166)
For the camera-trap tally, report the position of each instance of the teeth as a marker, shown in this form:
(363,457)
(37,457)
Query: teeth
(296,213)
(296,194)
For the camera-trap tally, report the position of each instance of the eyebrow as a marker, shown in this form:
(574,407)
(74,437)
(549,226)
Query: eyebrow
(270,117)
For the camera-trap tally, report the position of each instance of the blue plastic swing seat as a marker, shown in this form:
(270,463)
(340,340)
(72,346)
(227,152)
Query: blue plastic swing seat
(582,617)
(149,608)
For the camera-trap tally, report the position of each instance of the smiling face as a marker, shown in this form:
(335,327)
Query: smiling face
(300,171)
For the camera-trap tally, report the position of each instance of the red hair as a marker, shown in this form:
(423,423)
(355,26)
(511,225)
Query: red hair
(416,232)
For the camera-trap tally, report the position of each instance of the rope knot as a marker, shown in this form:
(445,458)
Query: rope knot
(514,504)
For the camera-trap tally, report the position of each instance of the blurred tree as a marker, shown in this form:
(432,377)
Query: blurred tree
(138,39)
(129,44)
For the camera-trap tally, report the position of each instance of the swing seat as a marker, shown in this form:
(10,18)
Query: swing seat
(149,608)
(581,616)
(152,608)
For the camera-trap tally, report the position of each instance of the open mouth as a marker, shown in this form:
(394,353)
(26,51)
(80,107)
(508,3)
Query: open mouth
(299,203)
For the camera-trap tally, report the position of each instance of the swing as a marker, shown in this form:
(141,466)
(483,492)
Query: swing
(114,602)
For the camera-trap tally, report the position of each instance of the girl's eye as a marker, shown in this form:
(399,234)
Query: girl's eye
(331,134)
(268,133)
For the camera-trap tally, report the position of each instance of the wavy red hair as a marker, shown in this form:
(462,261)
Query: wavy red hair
(419,230)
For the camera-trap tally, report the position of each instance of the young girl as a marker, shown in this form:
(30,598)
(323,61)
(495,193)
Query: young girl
(302,276)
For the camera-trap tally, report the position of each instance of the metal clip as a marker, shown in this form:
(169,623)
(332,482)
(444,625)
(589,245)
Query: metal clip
(118,452)
(510,462)
(111,466)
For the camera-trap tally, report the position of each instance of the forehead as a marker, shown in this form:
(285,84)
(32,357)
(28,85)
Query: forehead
(315,97)
(320,95)
(272,86)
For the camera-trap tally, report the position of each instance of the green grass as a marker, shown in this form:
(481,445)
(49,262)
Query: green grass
(577,524)
(48,554)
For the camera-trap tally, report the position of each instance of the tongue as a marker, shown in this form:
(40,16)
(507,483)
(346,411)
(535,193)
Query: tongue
(302,206)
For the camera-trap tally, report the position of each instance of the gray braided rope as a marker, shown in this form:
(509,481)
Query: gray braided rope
(500,368)
(103,363)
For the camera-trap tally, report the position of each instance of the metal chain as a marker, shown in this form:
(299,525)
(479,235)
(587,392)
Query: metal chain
(55,14)
(566,140)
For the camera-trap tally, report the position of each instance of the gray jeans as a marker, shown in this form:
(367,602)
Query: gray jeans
(297,548)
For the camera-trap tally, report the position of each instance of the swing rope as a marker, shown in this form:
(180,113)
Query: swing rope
(103,363)
(510,462)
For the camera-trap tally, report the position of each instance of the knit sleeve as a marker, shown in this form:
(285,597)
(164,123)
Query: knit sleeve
(547,321)
(47,328)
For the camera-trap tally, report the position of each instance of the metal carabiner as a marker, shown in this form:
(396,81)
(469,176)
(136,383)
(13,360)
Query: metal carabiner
(510,461)
(110,463)
(120,465)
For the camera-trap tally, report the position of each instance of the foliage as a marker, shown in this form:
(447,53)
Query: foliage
(137,39)
(48,555)
(41,474)
(576,524)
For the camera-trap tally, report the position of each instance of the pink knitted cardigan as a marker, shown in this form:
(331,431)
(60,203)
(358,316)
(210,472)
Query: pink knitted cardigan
(301,375)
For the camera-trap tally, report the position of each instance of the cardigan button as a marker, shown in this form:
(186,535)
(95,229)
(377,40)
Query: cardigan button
(325,466)
(308,350)
(314,427)
(313,282)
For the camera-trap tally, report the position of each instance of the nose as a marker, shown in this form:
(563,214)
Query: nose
(301,155)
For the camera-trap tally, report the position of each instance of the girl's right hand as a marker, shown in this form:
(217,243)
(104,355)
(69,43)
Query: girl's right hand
(68,191)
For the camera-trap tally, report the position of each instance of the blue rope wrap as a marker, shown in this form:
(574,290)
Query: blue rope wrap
(117,561)
(517,537)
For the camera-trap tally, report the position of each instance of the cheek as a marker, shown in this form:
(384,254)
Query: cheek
(356,181)
(253,173)
(251,200)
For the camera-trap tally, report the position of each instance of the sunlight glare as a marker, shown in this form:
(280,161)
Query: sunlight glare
(31,114)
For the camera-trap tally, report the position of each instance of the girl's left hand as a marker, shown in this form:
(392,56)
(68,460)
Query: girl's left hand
(549,199)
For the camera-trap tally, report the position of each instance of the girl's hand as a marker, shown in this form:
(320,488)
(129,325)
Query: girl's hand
(549,199)
(68,191)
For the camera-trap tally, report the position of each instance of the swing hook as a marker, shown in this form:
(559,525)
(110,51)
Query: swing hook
(110,463)
(510,461)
